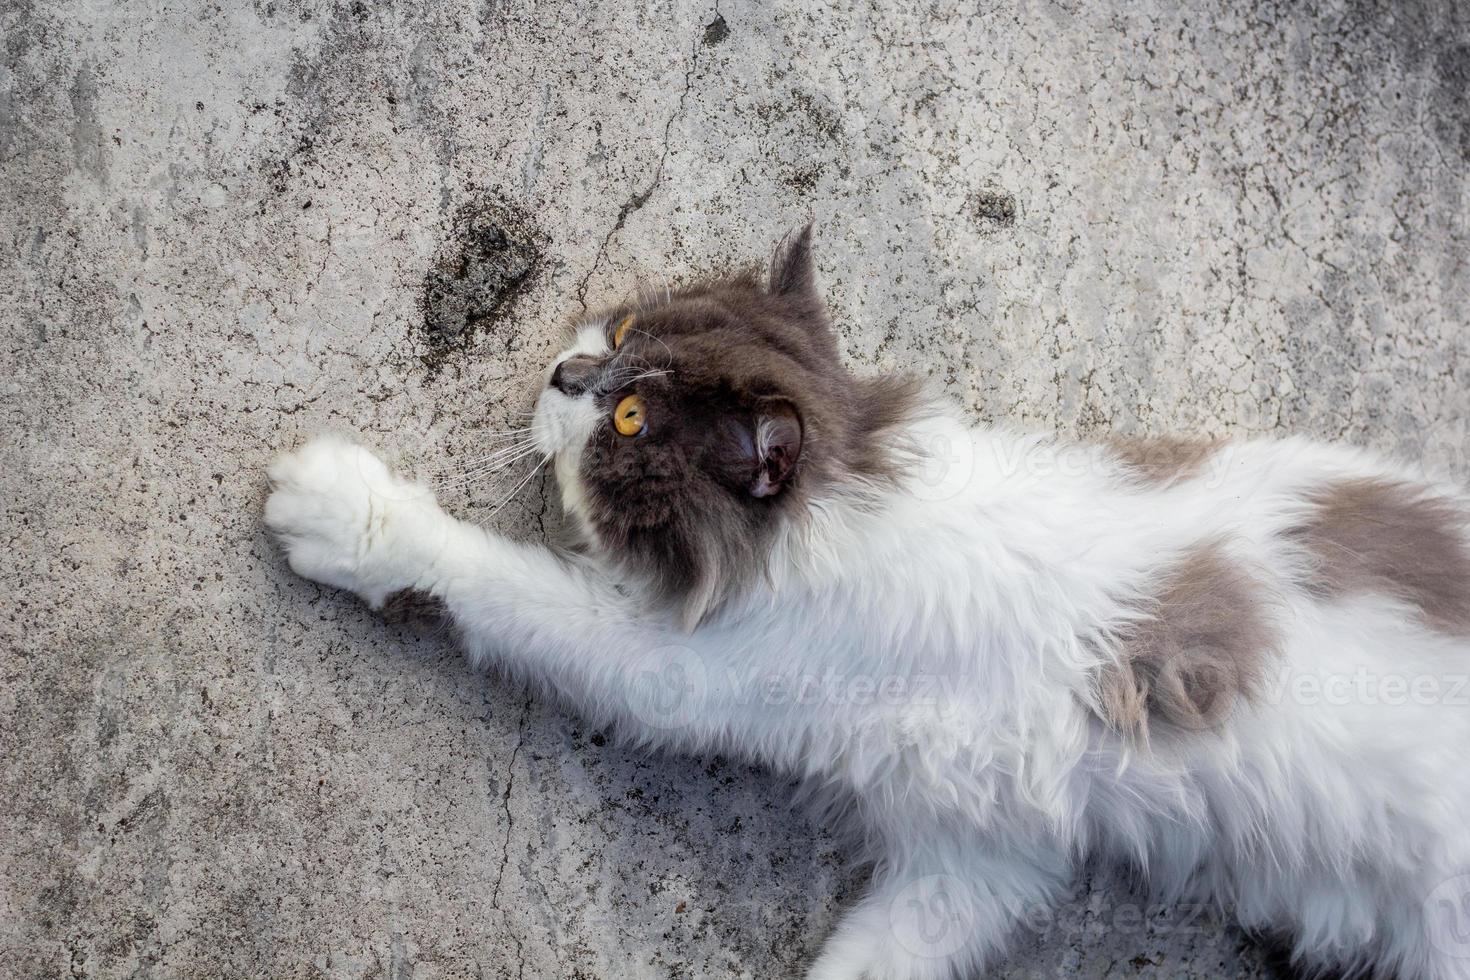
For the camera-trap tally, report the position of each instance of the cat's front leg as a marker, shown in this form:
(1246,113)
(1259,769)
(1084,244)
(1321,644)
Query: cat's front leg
(347,521)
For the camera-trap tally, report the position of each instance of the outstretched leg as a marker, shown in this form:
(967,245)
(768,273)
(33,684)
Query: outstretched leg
(346,520)
(938,915)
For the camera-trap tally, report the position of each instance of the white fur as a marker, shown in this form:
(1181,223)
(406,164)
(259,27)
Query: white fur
(923,660)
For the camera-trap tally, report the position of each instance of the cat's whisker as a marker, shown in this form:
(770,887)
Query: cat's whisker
(505,454)
(488,460)
(608,385)
(482,470)
(621,375)
(522,439)
(486,478)
(519,486)
(512,387)
(629,373)
(648,374)
(611,382)
(499,436)
(658,340)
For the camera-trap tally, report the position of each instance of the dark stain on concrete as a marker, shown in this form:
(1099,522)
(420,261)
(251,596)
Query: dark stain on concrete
(804,180)
(1416,40)
(280,171)
(493,254)
(1452,99)
(716,31)
(994,209)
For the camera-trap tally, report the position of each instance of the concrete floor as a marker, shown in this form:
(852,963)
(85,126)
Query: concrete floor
(226,227)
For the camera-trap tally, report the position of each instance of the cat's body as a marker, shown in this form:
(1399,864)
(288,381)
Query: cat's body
(1237,667)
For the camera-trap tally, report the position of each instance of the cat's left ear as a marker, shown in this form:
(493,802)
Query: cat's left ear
(777,447)
(793,273)
(760,452)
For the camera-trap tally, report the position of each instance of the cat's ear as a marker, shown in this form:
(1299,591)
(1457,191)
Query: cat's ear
(792,270)
(761,452)
(777,448)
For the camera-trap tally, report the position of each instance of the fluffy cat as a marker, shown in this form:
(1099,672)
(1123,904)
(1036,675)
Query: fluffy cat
(1239,668)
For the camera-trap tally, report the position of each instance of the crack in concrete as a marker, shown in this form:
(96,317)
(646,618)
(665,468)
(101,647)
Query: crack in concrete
(545,503)
(510,778)
(639,198)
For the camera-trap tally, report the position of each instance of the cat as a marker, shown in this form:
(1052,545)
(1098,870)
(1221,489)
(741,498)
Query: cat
(1236,667)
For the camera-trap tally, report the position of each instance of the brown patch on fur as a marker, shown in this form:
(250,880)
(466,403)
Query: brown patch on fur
(1204,648)
(1164,460)
(1393,538)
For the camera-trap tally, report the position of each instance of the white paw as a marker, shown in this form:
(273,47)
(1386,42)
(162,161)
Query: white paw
(345,520)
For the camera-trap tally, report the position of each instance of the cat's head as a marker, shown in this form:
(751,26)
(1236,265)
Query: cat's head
(688,426)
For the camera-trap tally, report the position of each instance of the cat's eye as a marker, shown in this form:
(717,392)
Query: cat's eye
(622,331)
(628,417)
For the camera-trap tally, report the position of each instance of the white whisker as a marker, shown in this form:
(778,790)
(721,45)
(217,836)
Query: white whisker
(502,434)
(669,353)
(481,471)
(486,462)
(518,487)
(521,440)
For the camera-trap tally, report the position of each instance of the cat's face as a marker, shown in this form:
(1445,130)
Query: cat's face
(687,426)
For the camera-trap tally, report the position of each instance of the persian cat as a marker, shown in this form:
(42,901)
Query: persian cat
(1238,668)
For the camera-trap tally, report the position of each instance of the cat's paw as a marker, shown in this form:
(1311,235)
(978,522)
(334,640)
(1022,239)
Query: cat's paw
(347,521)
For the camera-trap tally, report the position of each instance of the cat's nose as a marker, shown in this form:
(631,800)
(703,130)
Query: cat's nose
(574,375)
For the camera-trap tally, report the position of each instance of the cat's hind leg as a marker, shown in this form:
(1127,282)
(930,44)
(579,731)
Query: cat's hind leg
(937,917)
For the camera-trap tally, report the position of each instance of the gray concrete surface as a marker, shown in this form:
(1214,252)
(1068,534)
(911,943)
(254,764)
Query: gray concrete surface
(228,226)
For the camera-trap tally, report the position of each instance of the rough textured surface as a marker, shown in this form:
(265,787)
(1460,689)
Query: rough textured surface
(224,227)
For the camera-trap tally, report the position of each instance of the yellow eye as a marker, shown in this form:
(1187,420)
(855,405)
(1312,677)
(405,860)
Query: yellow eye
(622,330)
(628,416)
